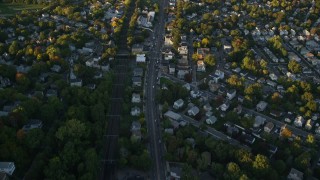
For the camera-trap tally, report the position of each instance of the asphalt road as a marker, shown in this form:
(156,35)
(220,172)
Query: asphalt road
(152,112)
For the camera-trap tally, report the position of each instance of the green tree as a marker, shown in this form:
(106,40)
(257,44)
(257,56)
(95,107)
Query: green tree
(13,48)
(210,60)
(261,165)
(294,66)
(72,130)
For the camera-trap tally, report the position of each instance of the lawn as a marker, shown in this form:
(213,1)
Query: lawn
(9,9)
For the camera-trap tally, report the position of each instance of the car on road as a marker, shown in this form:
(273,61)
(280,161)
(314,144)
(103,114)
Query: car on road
(152,86)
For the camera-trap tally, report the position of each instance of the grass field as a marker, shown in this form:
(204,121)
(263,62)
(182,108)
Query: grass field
(9,9)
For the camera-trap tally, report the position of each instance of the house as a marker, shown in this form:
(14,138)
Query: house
(240,99)
(207,107)
(308,124)
(268,127)
(135,111)
(183,50)
(7,167)
(138,72)
(140,58)
(178,104)
(211,120)
(273,77)
(193,111)
(168,55)
(76,82)
(225,106)
(172,116)
(168,40)
(136,81)
(135,126)
(168,131)
(295,175)
(258,121)
(172,68)
(231,94)
(137,48)
(135,98)
(217,75)
(181,73)
(201,67)
(227,47)
(32,124)
(317,131)
(261,106)
(195,94)
(299,121)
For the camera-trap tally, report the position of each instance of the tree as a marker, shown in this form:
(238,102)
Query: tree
(205,42)
(294,66)
(261,165)
(285,132)
(280,166)
(307,97)
(310,139)
(233,170)
(13,48)
(72,130)
(302,161)
(217,170)
(210,60)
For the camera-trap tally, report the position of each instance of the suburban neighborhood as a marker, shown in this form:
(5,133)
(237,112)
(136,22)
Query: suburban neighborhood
(177,89)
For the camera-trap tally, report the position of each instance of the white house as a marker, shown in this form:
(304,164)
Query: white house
(207,107)
(211,120)
(141,58)
(7,167)
(273,77)
(193,111)
(308,124)
(231,94)
(218,75)
(299,121)
(135,111)
(178,104)
(135,98)
(225,106)
(194,94)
